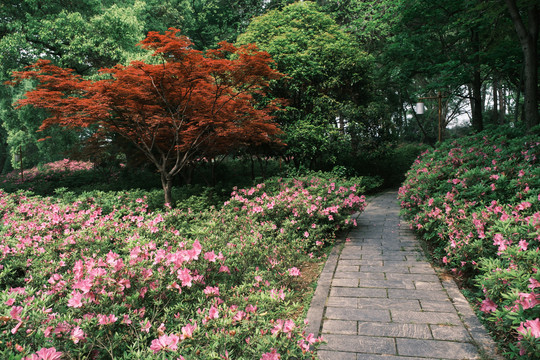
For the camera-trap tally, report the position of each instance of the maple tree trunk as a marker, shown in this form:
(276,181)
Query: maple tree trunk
(166,182)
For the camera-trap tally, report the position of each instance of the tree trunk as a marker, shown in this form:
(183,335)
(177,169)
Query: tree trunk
(502,105)
(166,182)
(528,39)
(495,110)
(252,167)
(477,121)
(518,96)
(262,166)
(187,174)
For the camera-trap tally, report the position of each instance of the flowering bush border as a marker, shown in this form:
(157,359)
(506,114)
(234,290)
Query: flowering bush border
(476,202)
(76,282)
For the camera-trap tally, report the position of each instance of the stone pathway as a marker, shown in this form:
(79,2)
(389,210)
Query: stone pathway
(379,299)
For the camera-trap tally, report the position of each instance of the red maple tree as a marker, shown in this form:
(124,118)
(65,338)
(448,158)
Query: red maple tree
(178,107)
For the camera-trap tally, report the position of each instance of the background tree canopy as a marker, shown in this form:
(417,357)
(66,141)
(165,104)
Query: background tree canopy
(355,68)
(329,82)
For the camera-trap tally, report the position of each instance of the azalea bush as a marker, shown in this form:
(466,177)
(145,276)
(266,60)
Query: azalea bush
(476,202)
(222,283)
(44,179)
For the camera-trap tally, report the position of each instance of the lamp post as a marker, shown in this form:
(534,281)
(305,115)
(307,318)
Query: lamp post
(420,109)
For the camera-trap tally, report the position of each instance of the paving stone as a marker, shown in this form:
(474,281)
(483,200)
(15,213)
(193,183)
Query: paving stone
(404,269)
(427,285)
(389,304)
(414,331)
(348,302)
(386,357)
(336,355)
(350,262)
(350,256)
(348,275)
(346,282)
(358,292)
(341,313)
(417,294)
(421,270)
(347,268)
(394,284)
(363,344)
(371,262)
(414,277)
(445,305)
(348,327)
(437,349)
(452,333)
(419,317)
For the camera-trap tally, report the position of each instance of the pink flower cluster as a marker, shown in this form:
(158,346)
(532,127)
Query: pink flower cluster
(163,282)
(479,202)
(60,166)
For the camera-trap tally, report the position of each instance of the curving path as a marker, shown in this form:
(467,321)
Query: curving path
(378,298)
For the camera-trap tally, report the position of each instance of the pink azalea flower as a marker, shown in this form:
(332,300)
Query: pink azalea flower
(76,300)
(288,326)
(210,256)
(303,345)
(533,283)
(239,315)
(46,354)
(145,326)
(185,277)
(273,355)
(488,306)
(187,331)
(209,290)
(106,319)
(197,249)
(294,271)
(165,342)
(84,285)
(15,312)
(527,301)
(251,309)
(77,335)
(532,325)
(10,301)
(16,328)
(213,313)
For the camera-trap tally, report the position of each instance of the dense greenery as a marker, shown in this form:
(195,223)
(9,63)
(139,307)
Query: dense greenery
(353,71)
(476,203)
(355,68)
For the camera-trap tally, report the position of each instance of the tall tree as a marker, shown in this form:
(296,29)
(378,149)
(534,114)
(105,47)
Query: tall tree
(170,109)
(526,18)
(328,76)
